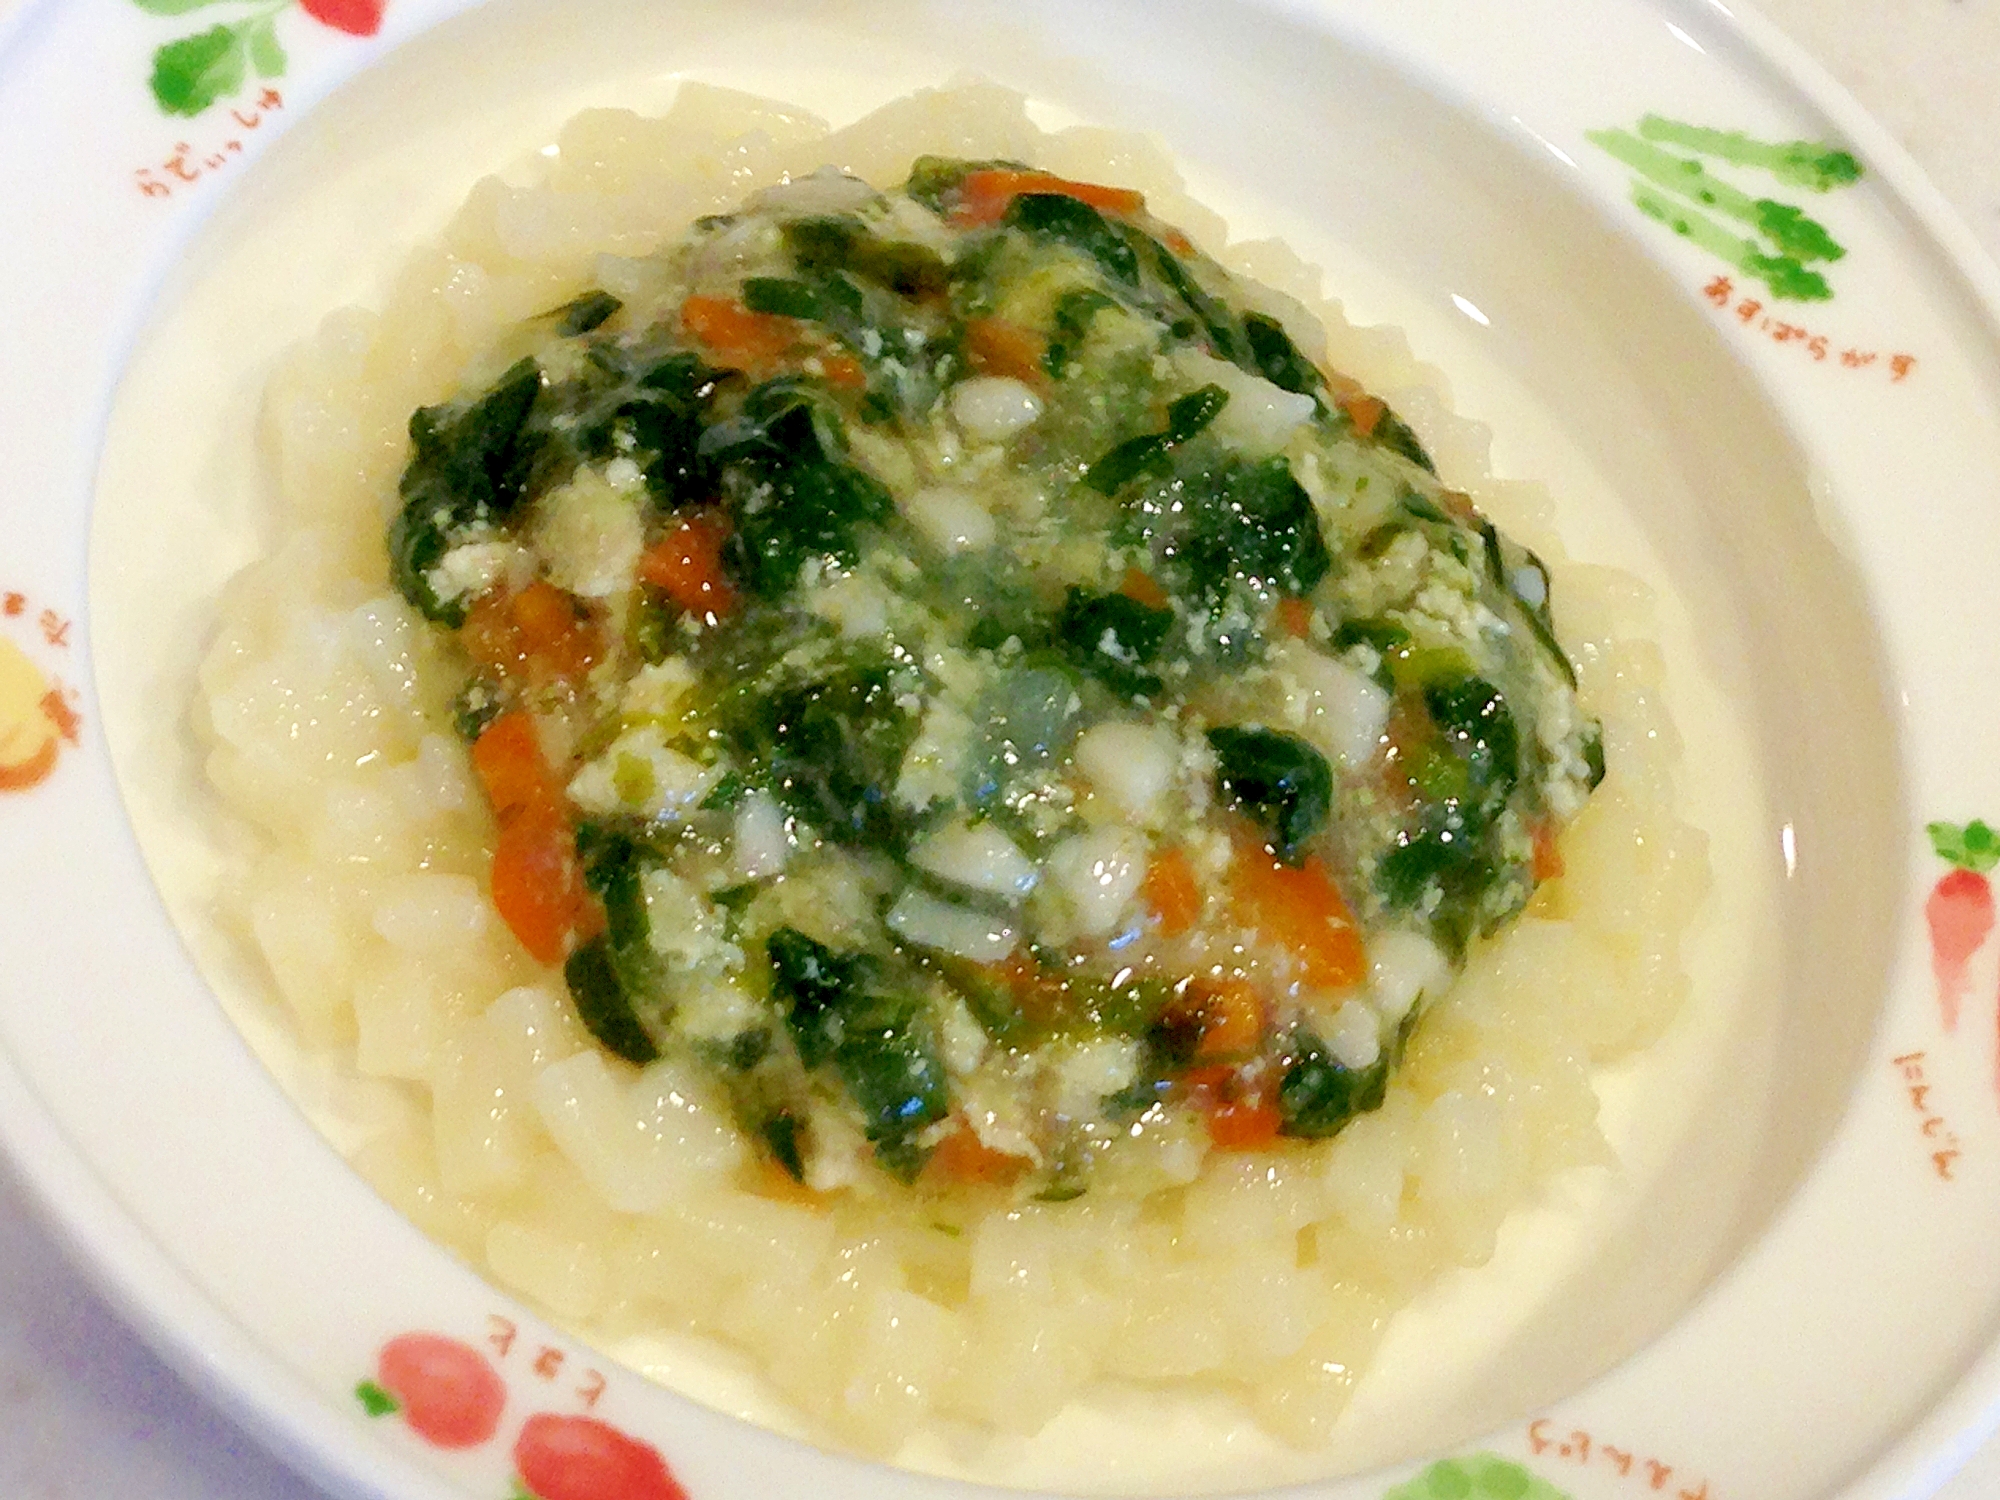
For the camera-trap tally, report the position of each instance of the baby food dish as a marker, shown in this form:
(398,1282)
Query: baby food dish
(915,780)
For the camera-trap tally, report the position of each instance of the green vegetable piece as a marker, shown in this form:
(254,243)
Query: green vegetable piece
(614,868)
(584,314)
(1274,356)
(468,468)
(727,792)
(781,1134)
(602,1004)
(824,299)
(814,981)
(1278,778)
(478,704)
(1478,726)
(1974,847)
(791,495)
(1253,523)
(1225,336)
(839,243)
(1072,222)
(1075,310)
(1593,754)
(1111,637)
(1318,1097)
(1393,433)
(1149,452)
(839,1011)
(832,750)
(934,178)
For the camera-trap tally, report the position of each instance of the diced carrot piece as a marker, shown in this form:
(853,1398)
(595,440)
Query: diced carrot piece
(537,886)
(1244,1124)
(1364,412)
(1177,242)
(1294,618)
(1302,911)
(508,759)
(489,634)
(1171,890)
(1232,1019)
(741,337)
(962,1158)
(555,637)
(844,372)
(994,346)
(983,196)
(687,565)
(1548,855)
(1143,588)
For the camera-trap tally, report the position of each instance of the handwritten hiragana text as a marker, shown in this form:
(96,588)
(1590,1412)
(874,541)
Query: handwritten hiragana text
(545,1361)
(187,164)
(1754,315)
(1939,1137)
(1581,1448)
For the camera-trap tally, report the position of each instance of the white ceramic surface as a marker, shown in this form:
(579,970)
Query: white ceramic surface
(1906,1371)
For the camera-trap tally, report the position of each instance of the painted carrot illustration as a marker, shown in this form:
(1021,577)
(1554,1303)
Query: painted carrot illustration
(1960,909)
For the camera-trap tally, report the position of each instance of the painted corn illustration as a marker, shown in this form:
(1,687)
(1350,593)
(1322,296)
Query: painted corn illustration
(1784,247)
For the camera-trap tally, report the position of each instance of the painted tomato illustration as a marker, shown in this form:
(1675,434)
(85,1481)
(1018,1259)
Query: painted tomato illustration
(446,1390)
(581,1458)
(355,17)
(1959,912)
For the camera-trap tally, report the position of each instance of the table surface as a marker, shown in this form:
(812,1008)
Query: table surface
(87,1411)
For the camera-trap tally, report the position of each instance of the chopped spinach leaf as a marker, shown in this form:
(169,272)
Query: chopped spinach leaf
(1279,779)
(1225,337)
(934,178)
(1074,312)
(469,467)
(478,704)
(1393,433)
(781,1134)
(1274,356)
(1072,222)
(1112,637)
(614,868)
(1478,727)
(1318,1096)
(603,1005)
(840,1010)
(826,244)
(1593,754)
(585,313)
(1253,523)
(1149,452)
(829,299)
(831,750)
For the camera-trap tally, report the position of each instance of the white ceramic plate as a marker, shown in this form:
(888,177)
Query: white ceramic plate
(1789,1294)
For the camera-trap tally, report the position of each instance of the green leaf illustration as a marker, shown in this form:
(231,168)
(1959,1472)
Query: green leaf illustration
(1476,1476)
(1792,234)
(1807,164)
(266,55)
(374,1400)
(174,7)
(1788,279)
(194,72)
(1974,847)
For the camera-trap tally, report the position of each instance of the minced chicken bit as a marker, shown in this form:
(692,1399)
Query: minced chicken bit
(948,663)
